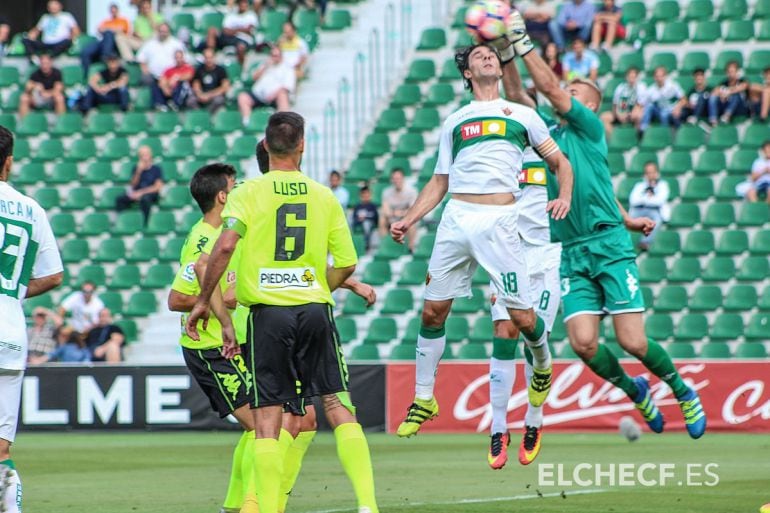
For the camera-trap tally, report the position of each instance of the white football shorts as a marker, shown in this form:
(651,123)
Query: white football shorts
(10,399)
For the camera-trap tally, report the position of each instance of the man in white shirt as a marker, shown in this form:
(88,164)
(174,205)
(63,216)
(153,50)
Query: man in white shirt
(649,198)
(274,81)
(157,54)
(238,29)
(84,307)
(53,34)
(294,48)
(30,265)
(759,180)
(335,184)
(659,101)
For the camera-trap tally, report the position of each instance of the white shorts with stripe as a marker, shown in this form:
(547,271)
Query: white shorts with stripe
(10,399)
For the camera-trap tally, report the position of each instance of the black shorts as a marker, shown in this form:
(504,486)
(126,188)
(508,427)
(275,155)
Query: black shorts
(294,353)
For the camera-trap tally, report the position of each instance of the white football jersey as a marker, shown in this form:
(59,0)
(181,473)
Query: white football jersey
(482,146)
(534,226)
(27,250)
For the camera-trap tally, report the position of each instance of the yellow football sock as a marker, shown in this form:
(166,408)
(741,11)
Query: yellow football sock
(247,467)
(291,465)
(268,469)
(235,489)
(353,452)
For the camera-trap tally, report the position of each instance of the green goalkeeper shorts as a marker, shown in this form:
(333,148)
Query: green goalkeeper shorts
(599,275)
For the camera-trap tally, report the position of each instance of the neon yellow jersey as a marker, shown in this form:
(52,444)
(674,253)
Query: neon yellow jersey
(289,223)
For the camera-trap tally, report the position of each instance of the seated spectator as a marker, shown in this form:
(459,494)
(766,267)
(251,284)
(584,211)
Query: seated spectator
(44,89)
(173,89)
(649,198)
(551,57)
(5,34)
(146,184)
(608,25)
(760,96)
(107,87)
(146,24)
(758,184)
(396,200)
(660,99)
(70,348)
(158,54)
(366,218)
(108,29)
(574,20)
(294,49)
(53,34)
(238,30)
(537,16)
(335,184)
(694,106)
(625,102)
(273,83)
(729,98)
(210,83)
(41,334)
(105,340)
(580,63)
(83,306)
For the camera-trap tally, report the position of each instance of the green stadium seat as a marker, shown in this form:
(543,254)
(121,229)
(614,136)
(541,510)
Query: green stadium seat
(161,223)
(128,223)
(172,250)
(672,298)
(659,326)
(754,136)
(750,350)
(413,273)
(699,188)
(715,350)
(375,145)
(676,163)
(377,273)
(381,331)
(482,330)
(48,150)
(406,95)
(719,269)
(698,243)
(347,329)
(108,196)
(640,159)
(213,147)
(758,60)
(94,225)
(684,270)
(733,10)
(389,249)
(365,353)
(719,215)
(706,298)
(732,242)
(616,162)
(210,19)
(48,197)
(398,301)
(739,30)
(644,32)
(623,138)
(164,123)
(180,148)
(75,251)
(760,243)
(196,122)
(726,56)
(472,352)
(110,251)
(133,123)
(403,352)
(144,250)
(100,123)
(754,269)
(694,60)
(115,149)
(30,174)
(67,124)
(684,215)
(391,120)
(457,329)
(362,169)
(113,301)
(763,34)
(258,120)
(692,326)
(761,10)
(652,270)
(432,39)
(665,59)
(740,298)
(706,31)
(226,122)
(33,124)
(159,276)
(129,329)
(665,10)
(183,20)
(726,190)
(439,94)
(307,20)
(463,39)
(689,137)
(425,119)
(62,224)
(9,76)
(754,214)
(711,161)
(338,19)
(11,103)
(656,138)
(741,161)
(395,163)
(449,71)
(675,32)
(176,197)
(409,145)
(93,273)
(666,243)
(421,70)
(81,150)
(141,304)
(412,330)
(244,147)
(78,198)
(722,137)
(759,327)
(727,326)
(681,350)
(699,10)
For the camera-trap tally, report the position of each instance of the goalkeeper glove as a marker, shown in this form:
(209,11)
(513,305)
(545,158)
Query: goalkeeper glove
(504,48)
(517,34)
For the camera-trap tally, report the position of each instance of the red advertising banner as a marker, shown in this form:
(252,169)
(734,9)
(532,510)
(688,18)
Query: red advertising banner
(735,395)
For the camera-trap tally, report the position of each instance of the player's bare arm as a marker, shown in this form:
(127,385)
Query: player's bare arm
(218,306)
(38,286)
(430,196)
(513,87)
(636,224)
(178,302)
(361,289)
(561,167)
(336,276)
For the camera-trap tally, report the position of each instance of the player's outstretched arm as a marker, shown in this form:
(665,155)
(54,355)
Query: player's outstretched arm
(336,276)
(430,196)
(561,167)
(514,87)
(636,224)
(361,289)
(37,286)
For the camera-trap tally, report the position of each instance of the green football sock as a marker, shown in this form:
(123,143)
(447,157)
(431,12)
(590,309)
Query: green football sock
(268,469)
(503,348)
(659,363)
(292,463)
(353,452)
(606,365)
(236,488)
(528,354)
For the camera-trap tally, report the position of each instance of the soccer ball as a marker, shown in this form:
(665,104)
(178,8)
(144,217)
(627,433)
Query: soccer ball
(486,20)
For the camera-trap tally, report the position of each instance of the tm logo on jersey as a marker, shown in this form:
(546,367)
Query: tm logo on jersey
(290,278)
(482,128)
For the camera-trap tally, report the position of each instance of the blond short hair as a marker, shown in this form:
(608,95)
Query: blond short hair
(591,84)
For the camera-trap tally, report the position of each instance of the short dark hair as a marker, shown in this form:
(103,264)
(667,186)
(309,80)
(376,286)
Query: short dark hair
(766,143)
(397,170)
(263,158)
(209,181)
(336,173)
(364,188)
(6,145)
(732,63)
(284,132)
(699,70)
(463,55)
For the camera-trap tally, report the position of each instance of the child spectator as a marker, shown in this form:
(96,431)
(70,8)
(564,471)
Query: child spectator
(365,216)
(758,183)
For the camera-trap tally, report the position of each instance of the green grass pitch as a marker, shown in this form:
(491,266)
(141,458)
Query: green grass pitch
(187,472)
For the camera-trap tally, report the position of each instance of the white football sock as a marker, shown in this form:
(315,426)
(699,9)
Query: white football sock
(541,353)
(429,351)
(10,490)
(502,374)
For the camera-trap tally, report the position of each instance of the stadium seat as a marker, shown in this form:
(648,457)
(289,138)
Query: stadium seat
(390,250)
(727,326)
(692,326)
(100,123)
(722,137)
(698,243)
(213,147)
(403,352)
(482,330)
(432,39)
(113,301)
(675,32)
(377,273)
(337,19)
(226,122)
(639,160)
(457,329)
(95,224)
(699,10)
(391,120)
(754,136)
(62,224)
(180,148)
(439,94)
(141,304)
(115,149)
(196,122)
(392,163)
(406,95)
(672,298)
(48,150)
(759,327)
(681,350)
(183,20)
(472,352)
(753,269)
(694,60)
(346,328)
(375,145)
(9,76)
(689,137)
(715,350)
(425,119)
(133,123)
(659,326)
(732,242)
(30,174)
(665,59)
(47,197)
(244,147)
(409,145)
(128,223)
(719,215)
(164,123)
(699,188)
(78,198)
(740,298)
(398,301)
(656,138)
(449,71)
(471,304)
(33,124)
(159,276)
(93,273)
(413,273)
(81,150)
(172,249)
(758,60)
(652,270)
(175,197)
(258,120)
(421,70)
(188,169)
(676,163)
(706,298)
(381,330)
(75,251)
(124,277)
(684,215)
(129,329)
(719,269)
(623,138)
(365,353)
(754,214)
(665,10)
(110,251)
(710,162)
(144,250)
(750,350)
(726,190)
(763,34)
(107,199)
(706,31)
(67,124)
(666,243)
(725,56)
(161,223)
(684,270)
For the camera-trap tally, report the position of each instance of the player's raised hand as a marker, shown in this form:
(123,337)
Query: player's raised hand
(230,346)
(504,48)
(640,224)
(559,208)
(517,34)
(398,231)
(365,291)
(199,312)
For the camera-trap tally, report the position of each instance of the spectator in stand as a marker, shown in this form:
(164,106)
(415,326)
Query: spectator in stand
(366,218)
(660,99)
(108,29)
(105,340)
(625,102)
(107,87)
(146,24)
(173,89)
(5,34)
(294,49)
(537,16)
(760,96)
(729,98)
(758,183)
(70,348)
(238,29)
(551,57)
(158,54)
(335,184)
(574,20)
(44,89)
(53,34)
(146,184)
(396,200)
(274,82)
(210,83)
(83,306)
(694,106)
(580,63)
(649,198)
(41,334)
(608,25)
